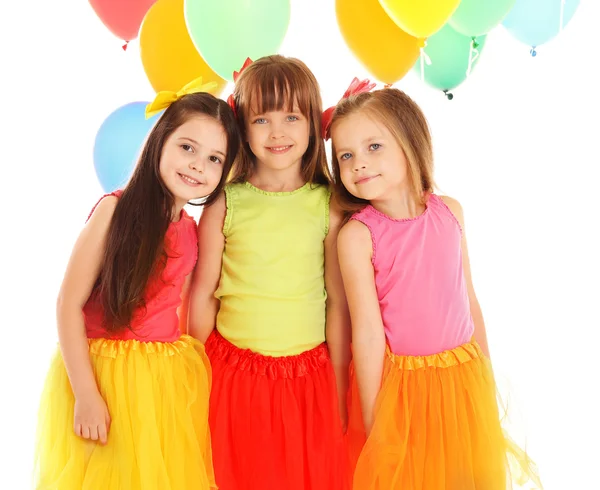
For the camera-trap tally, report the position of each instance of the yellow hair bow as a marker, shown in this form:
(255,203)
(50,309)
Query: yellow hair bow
(165,98)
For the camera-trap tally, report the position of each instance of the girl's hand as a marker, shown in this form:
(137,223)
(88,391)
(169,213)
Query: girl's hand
(92,420)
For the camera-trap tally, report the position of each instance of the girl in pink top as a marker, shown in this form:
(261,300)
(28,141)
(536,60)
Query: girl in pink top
(427,417)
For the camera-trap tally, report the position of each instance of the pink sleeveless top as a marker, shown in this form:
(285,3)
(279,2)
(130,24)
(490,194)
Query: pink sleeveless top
(158,321)
(419,279)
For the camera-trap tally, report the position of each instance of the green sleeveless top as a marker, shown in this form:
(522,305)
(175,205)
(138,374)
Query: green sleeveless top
(272,287)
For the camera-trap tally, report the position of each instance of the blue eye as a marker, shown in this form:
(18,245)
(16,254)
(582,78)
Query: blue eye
(260,120)
(293,118)
(374,146)
(345,156)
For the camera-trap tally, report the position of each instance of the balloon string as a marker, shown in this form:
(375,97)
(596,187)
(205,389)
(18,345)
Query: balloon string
(562,15)
(473,55)
(425,60)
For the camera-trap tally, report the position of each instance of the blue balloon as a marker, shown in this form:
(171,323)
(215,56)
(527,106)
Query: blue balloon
(119,142)
(535,22)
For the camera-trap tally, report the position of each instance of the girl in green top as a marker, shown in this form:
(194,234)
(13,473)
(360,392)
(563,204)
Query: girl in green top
(267,296)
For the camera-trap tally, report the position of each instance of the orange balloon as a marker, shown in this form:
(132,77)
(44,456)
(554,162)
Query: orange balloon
(386,51)
(169,57)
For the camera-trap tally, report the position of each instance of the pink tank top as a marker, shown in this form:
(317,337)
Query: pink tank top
(419,279)
(158,321)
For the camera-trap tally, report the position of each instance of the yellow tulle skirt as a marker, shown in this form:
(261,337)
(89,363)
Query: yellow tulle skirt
(157,396)
(437,427)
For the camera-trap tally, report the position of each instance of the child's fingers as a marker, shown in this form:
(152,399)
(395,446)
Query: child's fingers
(93,432)
(85,431)
(103,433)
(77,429)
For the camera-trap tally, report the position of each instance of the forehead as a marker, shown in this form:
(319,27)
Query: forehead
(203,129)
(275,88)
(355,128)
(273,102)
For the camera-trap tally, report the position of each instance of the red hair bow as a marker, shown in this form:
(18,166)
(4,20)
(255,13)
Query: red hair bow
(236,74)
(356,87)
(246,64)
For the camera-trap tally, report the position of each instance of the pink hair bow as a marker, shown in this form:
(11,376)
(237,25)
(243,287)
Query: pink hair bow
(356,87)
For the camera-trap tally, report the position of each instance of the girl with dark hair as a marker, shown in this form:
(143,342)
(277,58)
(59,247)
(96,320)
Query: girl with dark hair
(125,405)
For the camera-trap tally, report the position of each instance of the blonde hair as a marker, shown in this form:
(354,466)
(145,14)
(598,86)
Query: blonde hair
(406,122)
(275,83)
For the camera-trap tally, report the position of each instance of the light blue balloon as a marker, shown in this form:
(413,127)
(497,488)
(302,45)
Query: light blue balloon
(119,142)
(535,22)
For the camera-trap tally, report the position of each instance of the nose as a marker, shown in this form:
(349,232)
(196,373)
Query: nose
(197,164)
(276,131)
(359,164)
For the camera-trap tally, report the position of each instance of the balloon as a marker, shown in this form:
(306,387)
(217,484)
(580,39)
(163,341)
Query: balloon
(420,18)
(535,22)
(168,55)
(450,53)
(226,32)
(478,17)
(119,142)
(384,49)
(123,19)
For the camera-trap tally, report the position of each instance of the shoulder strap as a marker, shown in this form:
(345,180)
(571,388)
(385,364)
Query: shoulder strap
(116,193)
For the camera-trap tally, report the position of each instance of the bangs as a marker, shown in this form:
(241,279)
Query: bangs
(275,88)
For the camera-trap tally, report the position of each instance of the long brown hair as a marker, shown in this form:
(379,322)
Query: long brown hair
(135,244)
(405,120)
(275,83)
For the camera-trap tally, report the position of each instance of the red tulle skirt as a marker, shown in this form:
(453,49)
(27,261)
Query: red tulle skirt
(275,421)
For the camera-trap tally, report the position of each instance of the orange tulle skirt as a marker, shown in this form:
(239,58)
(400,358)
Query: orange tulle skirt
(157,396)
(437,427)
(275,421)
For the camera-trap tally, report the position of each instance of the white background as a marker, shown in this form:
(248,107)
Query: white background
(517,146)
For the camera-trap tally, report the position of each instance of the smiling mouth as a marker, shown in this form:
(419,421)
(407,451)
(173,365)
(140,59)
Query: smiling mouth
(189,180)
(364,180)
(279,149)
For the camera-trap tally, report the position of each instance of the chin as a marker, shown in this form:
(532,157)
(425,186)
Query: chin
(280,165)
(369,196)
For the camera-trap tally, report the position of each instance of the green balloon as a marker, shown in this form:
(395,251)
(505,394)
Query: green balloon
(226,32)
(449,53)
(478,17)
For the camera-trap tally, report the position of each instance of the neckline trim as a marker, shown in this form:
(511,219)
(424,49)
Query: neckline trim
(402,220)
(280,193)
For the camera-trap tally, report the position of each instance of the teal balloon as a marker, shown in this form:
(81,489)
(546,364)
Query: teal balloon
(226,32)
(478,17)
(535,22)
(119,142)
(449,52)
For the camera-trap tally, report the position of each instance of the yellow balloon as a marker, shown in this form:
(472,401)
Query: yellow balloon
(386,51)
(169,57)
(420,18)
